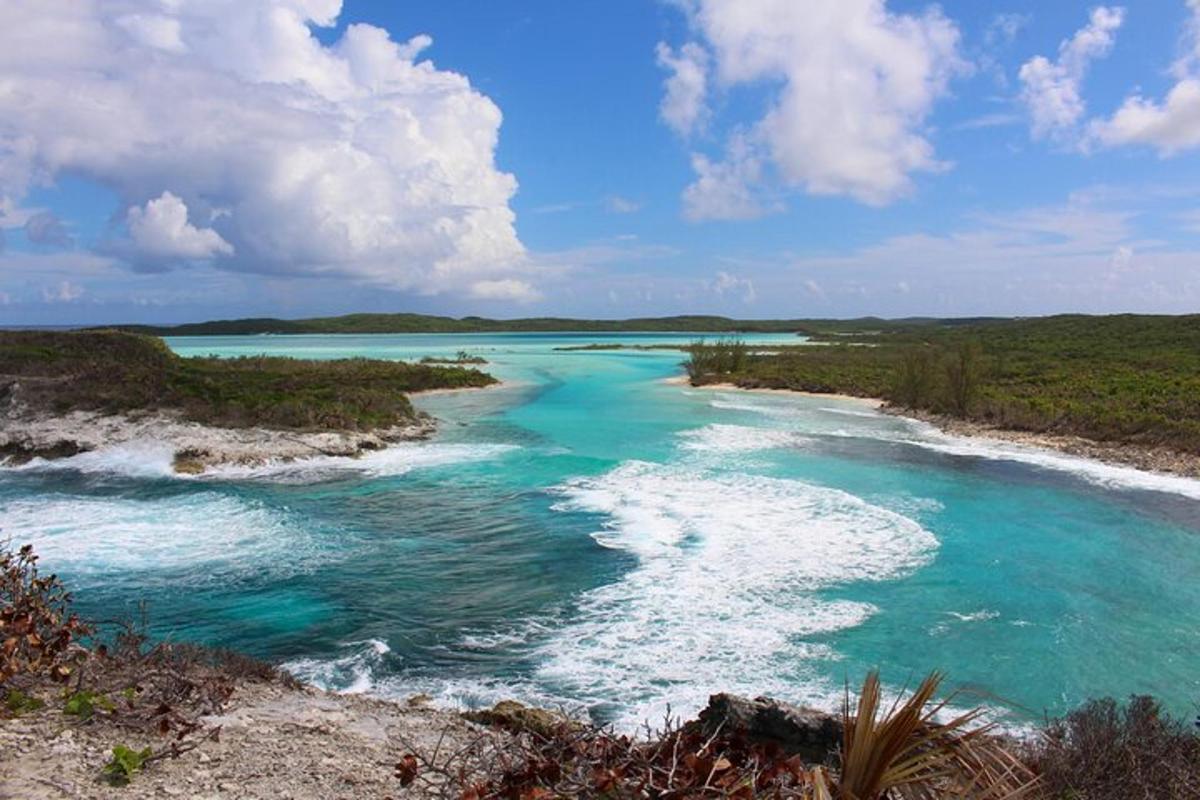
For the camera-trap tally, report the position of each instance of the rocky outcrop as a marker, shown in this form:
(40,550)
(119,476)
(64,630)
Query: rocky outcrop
(517,717)
(813,735)
(25,436)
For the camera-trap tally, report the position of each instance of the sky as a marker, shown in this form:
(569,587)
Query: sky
(180,160)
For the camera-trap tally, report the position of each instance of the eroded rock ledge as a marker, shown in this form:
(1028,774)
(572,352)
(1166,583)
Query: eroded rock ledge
(24,437)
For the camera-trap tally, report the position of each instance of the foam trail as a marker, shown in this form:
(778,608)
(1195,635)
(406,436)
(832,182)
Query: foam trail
(205,535)
(154,459)
(737,438)
(727,587)
(902,430)
(389,462)
(1109,476)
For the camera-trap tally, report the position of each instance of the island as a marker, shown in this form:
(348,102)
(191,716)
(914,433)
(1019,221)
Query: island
(425,323)
(1120,388)
(64,393)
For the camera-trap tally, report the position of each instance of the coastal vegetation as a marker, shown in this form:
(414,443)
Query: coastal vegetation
(1118,379)
(461,357)
(151,704)
(116,372)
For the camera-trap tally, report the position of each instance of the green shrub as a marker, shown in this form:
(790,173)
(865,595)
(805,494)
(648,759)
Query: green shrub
(17,702)
(125,763)
(84,704)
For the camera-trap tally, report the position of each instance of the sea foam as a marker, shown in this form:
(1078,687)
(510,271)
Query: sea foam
(351,673)
(203,536)
(390,462)
(154,459)
(900,430)
(724,438)
(732,579)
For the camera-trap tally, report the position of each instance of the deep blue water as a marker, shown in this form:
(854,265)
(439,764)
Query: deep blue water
(592,535)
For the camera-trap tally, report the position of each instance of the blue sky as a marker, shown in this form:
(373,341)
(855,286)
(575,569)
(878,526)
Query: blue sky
(759,158)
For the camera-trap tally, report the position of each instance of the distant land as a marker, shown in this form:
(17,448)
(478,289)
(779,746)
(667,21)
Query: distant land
(424,323)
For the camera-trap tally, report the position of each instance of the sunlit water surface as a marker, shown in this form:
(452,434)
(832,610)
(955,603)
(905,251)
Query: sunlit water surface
(592,535)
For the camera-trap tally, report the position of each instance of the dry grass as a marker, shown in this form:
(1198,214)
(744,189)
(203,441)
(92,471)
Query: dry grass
(1105,751)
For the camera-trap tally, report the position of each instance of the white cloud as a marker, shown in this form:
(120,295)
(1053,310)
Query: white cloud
(63,292)
(1003,28)
(852,84)
(505,289)
(727,190)
(615,204)
(684,105)
(353,158)
(727,284)
(161,231)
(1050,90)
(1083,255)
(1170,126)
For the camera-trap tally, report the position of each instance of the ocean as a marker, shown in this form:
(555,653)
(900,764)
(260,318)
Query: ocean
(592,536)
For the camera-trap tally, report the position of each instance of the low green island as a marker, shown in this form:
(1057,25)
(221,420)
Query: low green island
(1123,380)
(425,323)
(65,393)
(117,372)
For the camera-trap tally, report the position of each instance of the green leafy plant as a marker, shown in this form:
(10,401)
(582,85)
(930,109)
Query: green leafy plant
(84,704)
(17,702)
(125,763)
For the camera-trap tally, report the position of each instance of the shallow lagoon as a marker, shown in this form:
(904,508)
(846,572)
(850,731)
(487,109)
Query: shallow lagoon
(592,535)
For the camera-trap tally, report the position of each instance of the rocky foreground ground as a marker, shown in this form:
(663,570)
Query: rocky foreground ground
(275,743)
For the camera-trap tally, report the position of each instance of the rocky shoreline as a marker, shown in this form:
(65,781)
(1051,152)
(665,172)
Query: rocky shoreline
(197,447)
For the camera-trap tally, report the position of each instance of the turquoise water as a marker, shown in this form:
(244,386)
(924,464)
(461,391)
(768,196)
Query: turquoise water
(592,535)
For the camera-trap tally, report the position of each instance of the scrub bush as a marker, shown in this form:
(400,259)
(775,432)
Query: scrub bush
(37,628)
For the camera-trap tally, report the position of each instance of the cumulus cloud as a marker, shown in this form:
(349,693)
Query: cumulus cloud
(505,289)
(1050,90)
(684,105)
(1171,125)
(46,228)
(852,84)
(729,189)
(284,154)
(161,232)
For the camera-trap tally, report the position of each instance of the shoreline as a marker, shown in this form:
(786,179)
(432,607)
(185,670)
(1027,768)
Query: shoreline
(681,380)
(1146,458)
(196,446)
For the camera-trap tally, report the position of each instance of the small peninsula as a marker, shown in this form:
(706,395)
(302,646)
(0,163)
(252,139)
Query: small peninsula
(1117,388)
(66,393)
